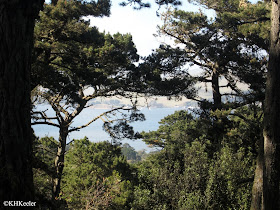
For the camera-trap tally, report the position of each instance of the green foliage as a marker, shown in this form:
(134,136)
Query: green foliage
(165,182)
(46,149)
(44,154)
(204,163)
(250,20)
(214,44)
(163,73)
(76,55)
(43,169)
(206,159)
(96,175)
(246,128)
(139,4)
(83,63)
(172,128)
(230,180)
(182,127)
(83,7)
(232,46)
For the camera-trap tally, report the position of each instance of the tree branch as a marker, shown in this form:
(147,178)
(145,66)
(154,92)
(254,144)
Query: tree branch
(44,116)
(99,116)
(45,123)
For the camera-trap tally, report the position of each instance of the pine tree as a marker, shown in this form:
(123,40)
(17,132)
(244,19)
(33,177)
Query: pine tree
(78,57)
(221,50)
(17,19)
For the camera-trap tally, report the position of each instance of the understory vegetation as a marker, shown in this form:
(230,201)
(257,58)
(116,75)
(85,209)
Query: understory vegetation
(195,168)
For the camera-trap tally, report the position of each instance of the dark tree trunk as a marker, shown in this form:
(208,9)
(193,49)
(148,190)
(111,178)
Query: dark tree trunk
(17,20)
(216,90)
(272,116)
(257,191)
(59,160)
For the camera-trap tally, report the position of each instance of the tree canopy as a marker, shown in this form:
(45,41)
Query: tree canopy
(228,49)
(84,64)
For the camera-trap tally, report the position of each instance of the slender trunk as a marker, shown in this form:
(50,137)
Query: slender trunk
(216,90)
(59,160)
(271,130)
(63,133)
(17,19)
(257,191)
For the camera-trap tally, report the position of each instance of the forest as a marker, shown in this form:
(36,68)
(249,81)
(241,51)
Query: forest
(222,154)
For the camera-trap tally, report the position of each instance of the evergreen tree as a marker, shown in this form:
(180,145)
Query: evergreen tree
(96,175)
(17,19)
(221,50)
(190,172)
(78,57)
(234,45)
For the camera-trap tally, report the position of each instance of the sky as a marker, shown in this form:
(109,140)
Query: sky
(141,24)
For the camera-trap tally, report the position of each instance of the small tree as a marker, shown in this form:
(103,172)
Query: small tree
(96,176)
(83,64)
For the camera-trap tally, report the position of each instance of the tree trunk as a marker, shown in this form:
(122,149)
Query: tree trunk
(59,160)
(271,131)
(216,90)
(257,191)
(17,20)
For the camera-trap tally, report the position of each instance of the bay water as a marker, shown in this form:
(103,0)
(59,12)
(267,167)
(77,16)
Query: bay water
(95,131)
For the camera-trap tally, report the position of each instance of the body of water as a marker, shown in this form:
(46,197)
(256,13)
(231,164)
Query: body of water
(95,131)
